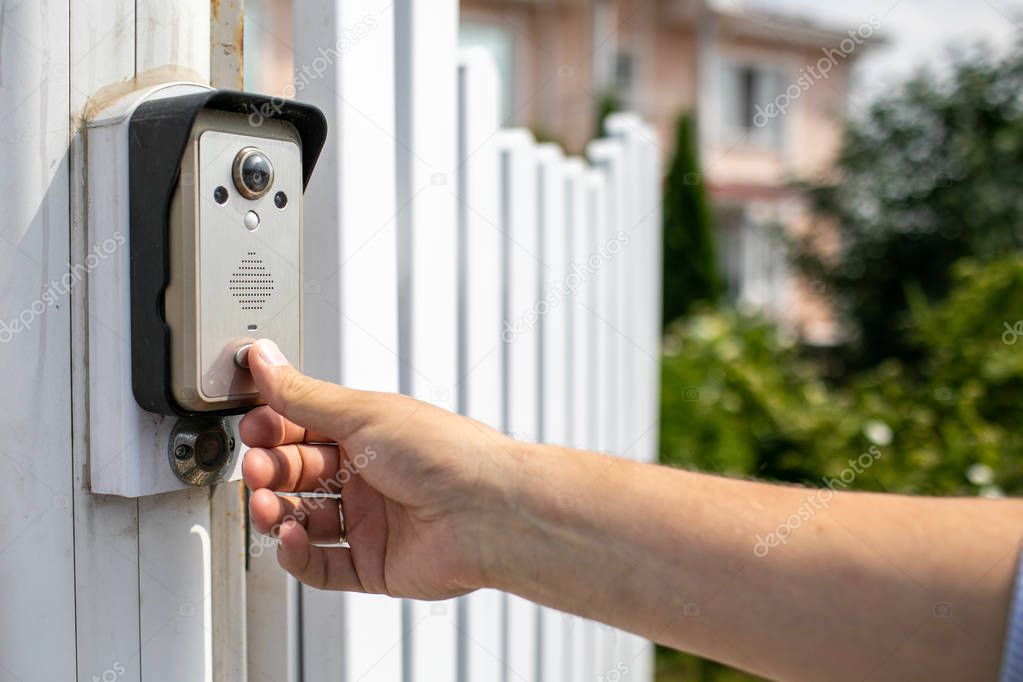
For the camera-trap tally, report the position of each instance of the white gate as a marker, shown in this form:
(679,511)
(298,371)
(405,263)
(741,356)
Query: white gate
(450,259)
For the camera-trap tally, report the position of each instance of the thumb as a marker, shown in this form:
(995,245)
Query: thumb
(319,406)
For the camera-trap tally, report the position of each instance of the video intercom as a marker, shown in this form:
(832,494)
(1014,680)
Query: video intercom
(216,184)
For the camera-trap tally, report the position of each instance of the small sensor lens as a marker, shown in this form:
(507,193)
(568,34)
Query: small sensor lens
(280,200)
(220,195)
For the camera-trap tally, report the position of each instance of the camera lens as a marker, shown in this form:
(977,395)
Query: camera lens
(253,173)
(210,449)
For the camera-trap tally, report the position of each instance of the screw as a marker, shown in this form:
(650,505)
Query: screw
(183,451)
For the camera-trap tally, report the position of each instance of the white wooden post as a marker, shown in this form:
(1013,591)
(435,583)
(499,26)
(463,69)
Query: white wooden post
(651,180)
(552,319)
(228,509)
(143,569)
(590,236)
(345,64)
(553,301)
(480,391)
(520,276)
(632,314)
(650,252)
(606,157)
(426,34)
(577,353)
(35,410)
(621,128)
(106,528)
(173,40)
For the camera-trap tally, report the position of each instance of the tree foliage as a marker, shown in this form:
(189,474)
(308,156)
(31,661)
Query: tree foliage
(690,262)
(929,176)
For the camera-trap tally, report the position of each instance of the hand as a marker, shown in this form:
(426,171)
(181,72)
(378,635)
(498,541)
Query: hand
(422,490)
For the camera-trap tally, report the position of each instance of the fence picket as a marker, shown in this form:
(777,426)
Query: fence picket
(552,319)
(426,38)
(520,274)
(480,390)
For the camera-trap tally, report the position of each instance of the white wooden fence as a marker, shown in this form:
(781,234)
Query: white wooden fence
(449,258)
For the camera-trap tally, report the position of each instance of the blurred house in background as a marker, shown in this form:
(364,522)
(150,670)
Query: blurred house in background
(768,92)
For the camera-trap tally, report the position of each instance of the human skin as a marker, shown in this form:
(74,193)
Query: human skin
(436,505)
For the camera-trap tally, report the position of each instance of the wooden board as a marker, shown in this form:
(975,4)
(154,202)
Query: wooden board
(426,34)
(351,208)
(37,632)
(480,389)
(520,274)
(106,528)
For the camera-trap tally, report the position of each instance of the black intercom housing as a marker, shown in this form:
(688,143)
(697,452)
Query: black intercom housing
(159,132)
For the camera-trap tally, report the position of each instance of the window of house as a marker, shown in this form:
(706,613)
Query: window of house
(752,260)
(750,95)
(500,43)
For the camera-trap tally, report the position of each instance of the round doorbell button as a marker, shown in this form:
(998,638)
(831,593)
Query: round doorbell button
(251,221)
(241,356)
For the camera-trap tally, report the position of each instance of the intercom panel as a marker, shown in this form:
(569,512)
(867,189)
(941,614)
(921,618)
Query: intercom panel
(235,257)
(215,194)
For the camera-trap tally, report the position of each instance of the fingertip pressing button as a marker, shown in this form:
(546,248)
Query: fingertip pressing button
(241,356)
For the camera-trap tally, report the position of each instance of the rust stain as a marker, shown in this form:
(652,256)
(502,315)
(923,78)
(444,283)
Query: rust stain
(215,8)
(240,42)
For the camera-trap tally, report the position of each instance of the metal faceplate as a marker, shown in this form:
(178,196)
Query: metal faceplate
(249,279)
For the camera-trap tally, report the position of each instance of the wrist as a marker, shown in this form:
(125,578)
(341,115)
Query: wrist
(511,513)
(536,522)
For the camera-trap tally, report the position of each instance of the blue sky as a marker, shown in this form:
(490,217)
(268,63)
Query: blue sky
(919,32)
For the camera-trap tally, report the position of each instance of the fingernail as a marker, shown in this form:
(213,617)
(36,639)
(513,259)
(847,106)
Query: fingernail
(270,353)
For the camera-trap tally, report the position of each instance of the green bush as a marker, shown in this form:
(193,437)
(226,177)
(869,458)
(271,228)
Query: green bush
(739,398)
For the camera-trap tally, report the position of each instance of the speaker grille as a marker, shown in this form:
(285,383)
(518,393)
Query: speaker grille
(252,284)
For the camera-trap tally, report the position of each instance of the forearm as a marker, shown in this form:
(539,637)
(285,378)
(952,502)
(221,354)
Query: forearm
(860,583)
